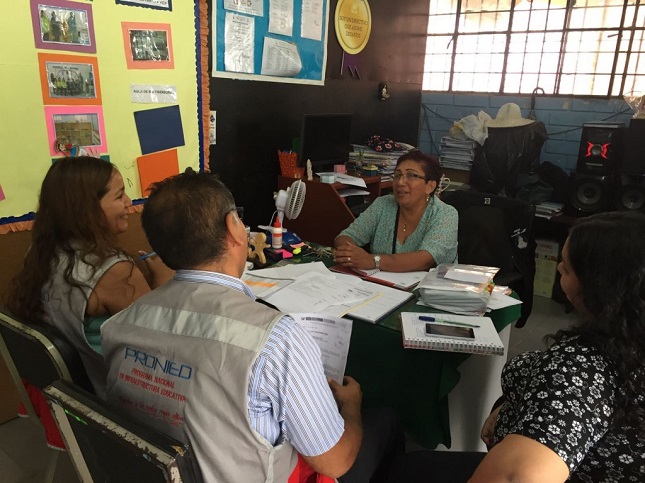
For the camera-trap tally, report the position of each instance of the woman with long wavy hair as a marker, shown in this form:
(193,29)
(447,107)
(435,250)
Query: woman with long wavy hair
(74,275)
(577,410)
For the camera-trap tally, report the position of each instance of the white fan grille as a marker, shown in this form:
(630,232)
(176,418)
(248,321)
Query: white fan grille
(295,199)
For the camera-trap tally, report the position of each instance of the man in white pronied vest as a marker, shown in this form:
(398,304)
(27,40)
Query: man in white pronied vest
(201,360)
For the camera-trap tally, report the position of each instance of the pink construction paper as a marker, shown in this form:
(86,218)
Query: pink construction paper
(50,111)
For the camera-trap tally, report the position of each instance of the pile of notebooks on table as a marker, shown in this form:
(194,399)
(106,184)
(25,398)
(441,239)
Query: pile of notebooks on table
(457,153)
(458,288)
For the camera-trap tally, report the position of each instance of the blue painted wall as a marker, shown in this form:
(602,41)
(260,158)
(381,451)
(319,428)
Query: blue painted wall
(562,117)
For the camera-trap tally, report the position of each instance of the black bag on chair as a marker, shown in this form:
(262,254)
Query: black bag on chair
(498,231)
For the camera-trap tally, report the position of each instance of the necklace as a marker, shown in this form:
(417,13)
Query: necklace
(405,223)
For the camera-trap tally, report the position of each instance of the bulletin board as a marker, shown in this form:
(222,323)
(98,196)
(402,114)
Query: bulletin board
(87,83)
(270,40)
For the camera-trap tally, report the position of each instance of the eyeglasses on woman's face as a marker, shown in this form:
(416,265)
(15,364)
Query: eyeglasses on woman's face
(407,177)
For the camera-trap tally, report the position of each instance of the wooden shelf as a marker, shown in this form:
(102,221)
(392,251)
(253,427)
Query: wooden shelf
(325,213)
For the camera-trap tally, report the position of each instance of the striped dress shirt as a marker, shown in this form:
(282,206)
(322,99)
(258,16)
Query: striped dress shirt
(288,393)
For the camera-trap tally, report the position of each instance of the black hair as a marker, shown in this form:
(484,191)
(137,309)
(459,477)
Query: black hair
(185,219)
(607,253)
(429,164)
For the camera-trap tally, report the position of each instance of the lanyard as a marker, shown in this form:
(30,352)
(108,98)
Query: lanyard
(396,227)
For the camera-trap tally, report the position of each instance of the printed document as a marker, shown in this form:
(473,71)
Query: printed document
(332,334)
(281,17)
(314,292)
(374,309)
(312,19)
(280,58)
(239,38)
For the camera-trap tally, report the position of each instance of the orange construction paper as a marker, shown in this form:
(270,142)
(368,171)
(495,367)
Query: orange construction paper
(156,167)
(126,27)
(69,59)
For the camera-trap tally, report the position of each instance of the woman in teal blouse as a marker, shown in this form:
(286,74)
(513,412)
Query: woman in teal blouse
(408,230)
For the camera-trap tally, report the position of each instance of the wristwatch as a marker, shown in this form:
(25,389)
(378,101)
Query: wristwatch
(377,261)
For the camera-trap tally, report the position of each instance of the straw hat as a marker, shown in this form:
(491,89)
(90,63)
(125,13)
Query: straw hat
(509,115)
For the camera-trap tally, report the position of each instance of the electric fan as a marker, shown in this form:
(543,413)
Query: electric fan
(290,202)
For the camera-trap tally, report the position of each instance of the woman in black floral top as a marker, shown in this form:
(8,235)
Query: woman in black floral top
(576,411)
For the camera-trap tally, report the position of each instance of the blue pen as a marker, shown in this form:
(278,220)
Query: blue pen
(429,318)
(147,255)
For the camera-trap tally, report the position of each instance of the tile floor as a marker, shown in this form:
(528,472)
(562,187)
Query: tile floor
(24,456)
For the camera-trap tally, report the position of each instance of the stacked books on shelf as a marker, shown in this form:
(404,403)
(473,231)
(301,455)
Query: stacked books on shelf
(363,157)
(458,288)
(452,333)
(547,209)
(457,153)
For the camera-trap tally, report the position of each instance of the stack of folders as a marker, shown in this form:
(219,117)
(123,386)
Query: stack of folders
(400,280)
(458,288)
(452,333)
(457,153)
(547,209)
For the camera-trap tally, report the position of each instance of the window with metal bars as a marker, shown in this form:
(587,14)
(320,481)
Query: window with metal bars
(566,47)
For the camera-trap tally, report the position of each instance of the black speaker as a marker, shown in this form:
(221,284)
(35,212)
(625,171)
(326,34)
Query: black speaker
(630,195)
(590,194)
(601,148)
(634,160)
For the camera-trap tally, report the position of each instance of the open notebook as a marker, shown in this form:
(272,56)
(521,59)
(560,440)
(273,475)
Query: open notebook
(312,288)
(451,333)
(387,300)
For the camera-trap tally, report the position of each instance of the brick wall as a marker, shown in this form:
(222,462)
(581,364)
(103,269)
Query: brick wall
(563,118)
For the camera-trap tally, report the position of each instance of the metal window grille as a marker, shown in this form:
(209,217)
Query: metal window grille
(566,47)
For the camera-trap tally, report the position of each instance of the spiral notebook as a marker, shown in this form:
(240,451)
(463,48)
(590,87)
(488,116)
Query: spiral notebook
(451,333)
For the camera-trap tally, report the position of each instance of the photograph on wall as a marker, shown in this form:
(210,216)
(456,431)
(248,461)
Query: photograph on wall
(69,126)
(147,46)
(63,25)
(156,4)
(69,79)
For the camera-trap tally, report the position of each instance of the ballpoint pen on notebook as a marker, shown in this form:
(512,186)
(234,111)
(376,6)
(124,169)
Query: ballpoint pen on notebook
(429,318)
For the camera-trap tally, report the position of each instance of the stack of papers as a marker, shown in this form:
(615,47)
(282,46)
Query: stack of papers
(344,178)
(547,209)
(458,288)
(385,161)
(457,153)
(311,287)
(400,280)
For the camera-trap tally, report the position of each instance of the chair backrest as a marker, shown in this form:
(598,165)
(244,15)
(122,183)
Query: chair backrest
(108,445)
(498,231)
(41,354)
(492,229)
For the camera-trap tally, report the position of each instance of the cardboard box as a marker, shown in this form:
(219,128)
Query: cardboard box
(546,263)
